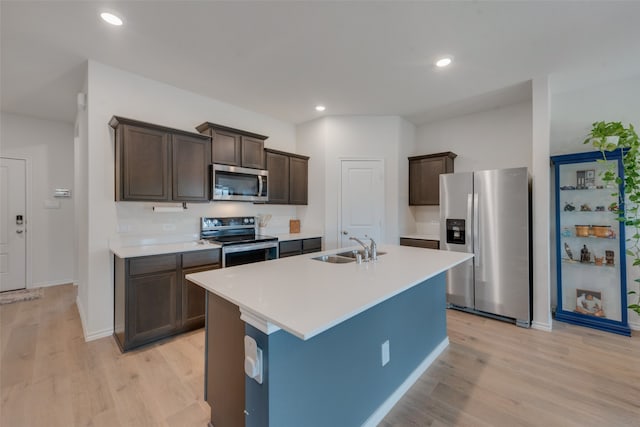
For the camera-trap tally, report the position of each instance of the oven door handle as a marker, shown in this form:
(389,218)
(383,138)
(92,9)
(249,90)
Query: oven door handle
(251,247)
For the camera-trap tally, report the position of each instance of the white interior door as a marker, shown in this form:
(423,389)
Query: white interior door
(362,200)
(13,241)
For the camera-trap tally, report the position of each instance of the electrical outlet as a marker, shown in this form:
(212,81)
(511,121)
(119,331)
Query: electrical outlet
(385,353)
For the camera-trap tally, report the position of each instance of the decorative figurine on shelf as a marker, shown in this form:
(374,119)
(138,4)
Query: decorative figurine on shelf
(589,302)
(585,255)
(585,208)
(608,255)
(567,249)
(598,260)
(599,208)
(568,207)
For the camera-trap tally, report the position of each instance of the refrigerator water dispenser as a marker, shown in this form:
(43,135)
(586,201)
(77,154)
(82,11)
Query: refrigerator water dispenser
(456,231)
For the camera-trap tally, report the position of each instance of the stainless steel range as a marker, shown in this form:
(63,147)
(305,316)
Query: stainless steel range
(239,241)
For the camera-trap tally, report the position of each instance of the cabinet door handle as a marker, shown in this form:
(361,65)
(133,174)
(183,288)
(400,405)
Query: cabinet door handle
(19,231)
(345,232)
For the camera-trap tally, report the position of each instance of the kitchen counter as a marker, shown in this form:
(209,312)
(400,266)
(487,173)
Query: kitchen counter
(421,236)
(285,237)
(165,248)
(305,297)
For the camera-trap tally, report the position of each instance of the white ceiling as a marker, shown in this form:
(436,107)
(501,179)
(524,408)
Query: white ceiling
(282,58)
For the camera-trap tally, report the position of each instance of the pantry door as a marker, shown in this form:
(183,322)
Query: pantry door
(362,200)
(13,239)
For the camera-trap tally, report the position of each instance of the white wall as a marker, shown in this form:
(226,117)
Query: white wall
(573,112)
(541,209)
(491,139)
(116,92)
(48,148)
(81,205)
(343,137)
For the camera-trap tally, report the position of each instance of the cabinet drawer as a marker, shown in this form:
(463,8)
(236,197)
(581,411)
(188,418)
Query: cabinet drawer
(153,264)
(290,248)
(420,243)
(311,245)
(196,259)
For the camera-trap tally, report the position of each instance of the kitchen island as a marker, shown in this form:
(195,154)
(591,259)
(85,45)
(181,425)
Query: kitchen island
(340,343)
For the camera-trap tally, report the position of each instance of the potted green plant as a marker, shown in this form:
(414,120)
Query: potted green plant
(611,136)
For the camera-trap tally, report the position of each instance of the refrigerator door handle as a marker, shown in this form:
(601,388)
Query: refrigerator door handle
(476,232)
(468,235)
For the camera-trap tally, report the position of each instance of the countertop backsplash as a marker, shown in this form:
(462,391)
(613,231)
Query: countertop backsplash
(138,224)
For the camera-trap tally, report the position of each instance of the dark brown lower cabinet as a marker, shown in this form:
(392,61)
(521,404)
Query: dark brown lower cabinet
(298,247)
(152,298)
(193,300)
(152,307)
(420,243)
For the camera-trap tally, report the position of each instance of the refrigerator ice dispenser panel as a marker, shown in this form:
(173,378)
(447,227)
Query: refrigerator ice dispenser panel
(456,231)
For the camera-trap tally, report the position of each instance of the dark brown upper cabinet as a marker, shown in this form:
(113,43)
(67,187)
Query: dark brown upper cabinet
(160,164)
(288,177)
(234,147)
(424,177)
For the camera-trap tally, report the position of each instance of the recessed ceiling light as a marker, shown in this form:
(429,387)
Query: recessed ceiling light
(443,62)
(320,108)
(111,18)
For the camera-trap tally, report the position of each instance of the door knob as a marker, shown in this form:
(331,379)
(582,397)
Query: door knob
(345,232)
(19,231)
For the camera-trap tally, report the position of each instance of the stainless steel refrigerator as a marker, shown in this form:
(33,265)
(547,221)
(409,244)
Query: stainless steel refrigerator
(488,213)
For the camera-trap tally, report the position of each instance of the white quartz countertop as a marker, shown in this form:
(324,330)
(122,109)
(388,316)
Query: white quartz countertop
(421,236)
(284,237)
(158,249)
(306,297)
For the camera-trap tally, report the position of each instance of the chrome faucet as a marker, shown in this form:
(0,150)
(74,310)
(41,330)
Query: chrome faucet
(366,248)
(373,248)
(370,252)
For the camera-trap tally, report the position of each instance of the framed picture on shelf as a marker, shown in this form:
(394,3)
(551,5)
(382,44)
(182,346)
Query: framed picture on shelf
(580,180)
(590,178)
(589,302)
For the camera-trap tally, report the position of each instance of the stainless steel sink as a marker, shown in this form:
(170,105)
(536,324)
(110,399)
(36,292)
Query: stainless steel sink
(352,254)
(333,259)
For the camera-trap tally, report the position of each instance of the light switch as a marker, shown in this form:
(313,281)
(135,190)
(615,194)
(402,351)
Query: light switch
(252,359)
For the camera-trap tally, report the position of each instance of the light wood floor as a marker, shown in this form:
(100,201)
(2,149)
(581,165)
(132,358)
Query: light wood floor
(492,374)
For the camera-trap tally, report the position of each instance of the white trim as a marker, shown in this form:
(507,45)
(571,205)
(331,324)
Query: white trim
(635,325)
(98,334)
(258,322)
(53,283)
(83,322)
(379,414)
(93,335)
(540,326)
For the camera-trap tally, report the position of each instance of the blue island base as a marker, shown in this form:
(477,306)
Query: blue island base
(337,378)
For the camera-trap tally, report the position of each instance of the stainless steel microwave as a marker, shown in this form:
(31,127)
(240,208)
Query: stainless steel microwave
(239,184)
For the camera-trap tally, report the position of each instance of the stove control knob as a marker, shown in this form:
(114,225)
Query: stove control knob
(251,220)
(246,220)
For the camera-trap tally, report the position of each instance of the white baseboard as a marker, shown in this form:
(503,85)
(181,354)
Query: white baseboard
(83,321)
(541,326)
(93,335)
(388,404)
(98,334)
(635,325)
(53,283)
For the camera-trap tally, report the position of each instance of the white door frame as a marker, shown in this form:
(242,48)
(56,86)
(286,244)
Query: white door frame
(339,212)
(27,222)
